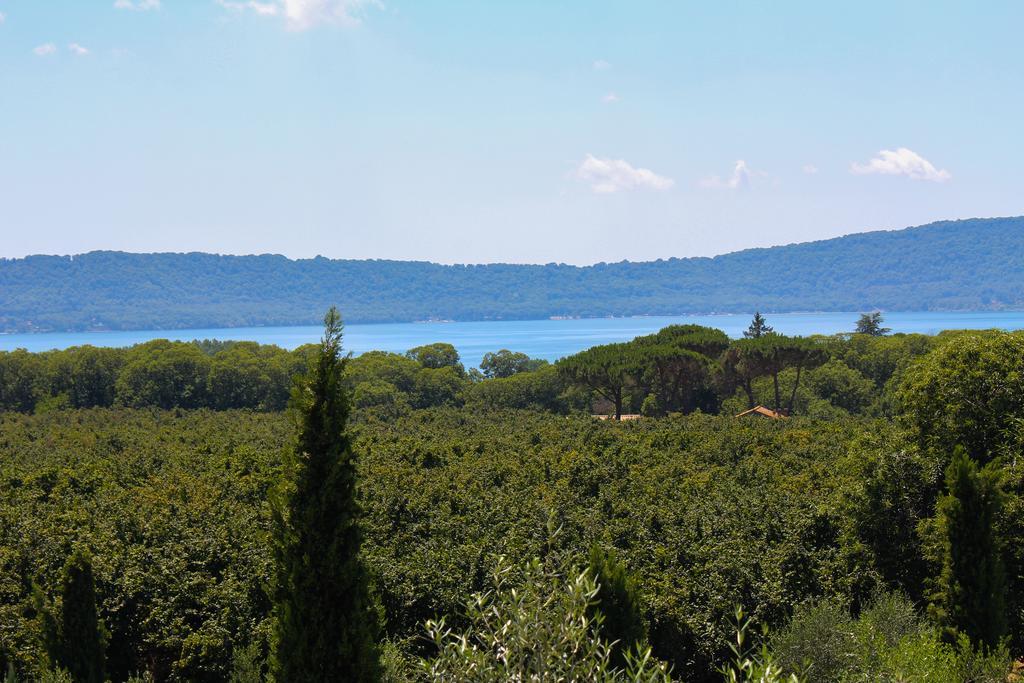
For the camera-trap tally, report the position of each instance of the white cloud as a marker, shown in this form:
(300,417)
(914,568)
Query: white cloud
(902,162)
(740,178)
(138,5)
(611,98)
(266,9)
(3,17)
(44,49)
(78,50)
(601,65)
(606,176)
(300,15)
(810,169)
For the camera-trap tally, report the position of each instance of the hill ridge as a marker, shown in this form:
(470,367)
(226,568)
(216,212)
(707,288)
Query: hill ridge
(877,231)
(966,264)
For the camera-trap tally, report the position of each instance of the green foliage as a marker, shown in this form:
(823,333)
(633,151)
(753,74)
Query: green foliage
(758,327)
(164,374)
(541,389)
(397,666)
(804,399)
(842,386)
(608,370)
(173,507)
(880,359)
(20,377)
(247,375)
(438,386)
(650,407)
(888,641)
(435,356)
(871,324)
(80,639)
(622,621)
(247,665)
(206,374)
(537,626)
(768,356)
(933,267)
(86,375)
(707,512)
(819,642)
(751,665)
(505,363)
(681,366)
(382,396)
(896,493)
(676,364)
(395,369)
(680,379)
(1010,528)
(970,595)
(706,341)
(325,627)
(968,392)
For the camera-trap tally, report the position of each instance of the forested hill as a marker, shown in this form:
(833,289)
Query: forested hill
(954,265)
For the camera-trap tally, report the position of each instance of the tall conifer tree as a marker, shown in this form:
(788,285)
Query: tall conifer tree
(758,327)
(618,601)
(76,641)
(971,588)
(326,622)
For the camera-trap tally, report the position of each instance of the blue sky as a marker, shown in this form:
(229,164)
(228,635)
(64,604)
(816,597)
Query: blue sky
(523,131)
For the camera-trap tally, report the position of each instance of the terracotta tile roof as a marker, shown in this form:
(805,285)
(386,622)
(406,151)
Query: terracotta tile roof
(765,412)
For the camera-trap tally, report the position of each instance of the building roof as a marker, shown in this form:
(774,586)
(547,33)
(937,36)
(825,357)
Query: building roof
(762,411)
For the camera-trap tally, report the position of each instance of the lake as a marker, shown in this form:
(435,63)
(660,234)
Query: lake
(550,339)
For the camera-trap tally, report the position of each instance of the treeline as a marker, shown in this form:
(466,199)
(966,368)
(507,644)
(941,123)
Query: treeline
(214,375)
(681,369)
(952,265)
(684,368)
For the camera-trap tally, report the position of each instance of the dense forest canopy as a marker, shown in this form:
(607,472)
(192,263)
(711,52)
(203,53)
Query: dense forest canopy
(871,530)
(954,265)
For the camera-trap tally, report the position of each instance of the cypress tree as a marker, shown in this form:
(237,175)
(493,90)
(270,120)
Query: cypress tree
(971,588)
(326,623)
(78,644)
(618,601)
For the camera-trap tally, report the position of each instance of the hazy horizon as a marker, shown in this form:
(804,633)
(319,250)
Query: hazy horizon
(478,263)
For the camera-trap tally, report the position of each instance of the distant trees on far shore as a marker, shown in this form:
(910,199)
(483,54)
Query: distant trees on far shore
(679,369)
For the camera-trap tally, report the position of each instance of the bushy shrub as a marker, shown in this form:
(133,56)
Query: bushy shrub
(750,664)
(536,626)
(889,641)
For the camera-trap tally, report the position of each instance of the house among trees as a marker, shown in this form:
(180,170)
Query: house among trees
(763,412)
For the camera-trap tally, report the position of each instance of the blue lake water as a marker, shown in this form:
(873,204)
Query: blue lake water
(550,339)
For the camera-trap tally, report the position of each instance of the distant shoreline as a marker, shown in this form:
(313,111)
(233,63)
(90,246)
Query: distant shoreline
(538,338)
(640,316)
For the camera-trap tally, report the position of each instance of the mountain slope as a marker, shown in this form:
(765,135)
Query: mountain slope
(952,265)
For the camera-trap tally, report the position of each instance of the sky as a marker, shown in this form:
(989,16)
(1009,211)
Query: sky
(477,132)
